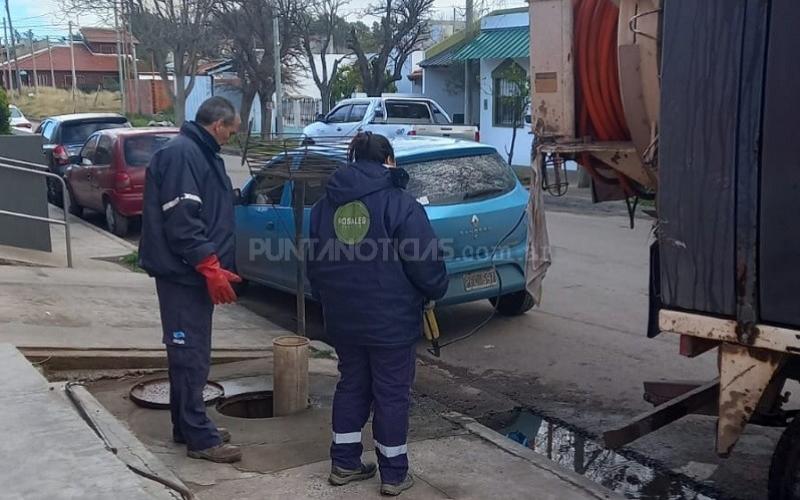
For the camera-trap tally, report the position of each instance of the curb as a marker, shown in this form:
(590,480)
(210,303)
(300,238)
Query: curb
(73,219)
(516,449)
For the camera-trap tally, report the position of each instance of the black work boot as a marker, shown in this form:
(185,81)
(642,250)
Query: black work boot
(393,490)
(340,476)
(224,433)
(221,454)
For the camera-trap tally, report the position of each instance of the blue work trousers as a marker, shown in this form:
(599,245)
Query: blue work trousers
(186,313)
(379,379)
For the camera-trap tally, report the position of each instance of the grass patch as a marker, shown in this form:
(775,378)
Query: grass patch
(131,261)
(315,354)
(50,102)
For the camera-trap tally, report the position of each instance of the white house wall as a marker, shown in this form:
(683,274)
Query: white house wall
(435,85)
(500,137)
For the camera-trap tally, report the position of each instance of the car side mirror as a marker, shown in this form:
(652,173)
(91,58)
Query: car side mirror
(238,197)
(321,118)
(86,162)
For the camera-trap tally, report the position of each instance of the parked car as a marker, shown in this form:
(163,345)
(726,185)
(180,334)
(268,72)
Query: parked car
(474,201)
(391,116)
(108,173)
(18,120)
(64,136)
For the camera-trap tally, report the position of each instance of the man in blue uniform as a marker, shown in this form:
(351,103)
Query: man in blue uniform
(187,244)
(373,263)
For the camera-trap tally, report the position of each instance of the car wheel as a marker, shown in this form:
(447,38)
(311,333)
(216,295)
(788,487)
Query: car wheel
(54,193)
(115,221)
(514,304)
(74,208)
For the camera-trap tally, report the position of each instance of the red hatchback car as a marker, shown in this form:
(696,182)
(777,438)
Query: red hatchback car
(108,174)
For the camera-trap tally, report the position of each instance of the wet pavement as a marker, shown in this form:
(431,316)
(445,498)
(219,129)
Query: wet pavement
(626,473)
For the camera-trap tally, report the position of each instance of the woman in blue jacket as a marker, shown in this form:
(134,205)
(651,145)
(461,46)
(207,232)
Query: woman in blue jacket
(373,263)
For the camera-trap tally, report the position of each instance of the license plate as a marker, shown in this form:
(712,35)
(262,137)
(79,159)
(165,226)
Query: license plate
(480,280)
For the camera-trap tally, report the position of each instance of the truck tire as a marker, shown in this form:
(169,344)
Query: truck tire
(784,470)
(514,304)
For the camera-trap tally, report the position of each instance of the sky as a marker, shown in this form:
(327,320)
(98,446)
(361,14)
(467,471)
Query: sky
(45,17)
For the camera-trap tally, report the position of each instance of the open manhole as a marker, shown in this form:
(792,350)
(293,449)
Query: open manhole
(247,405)
(155,393)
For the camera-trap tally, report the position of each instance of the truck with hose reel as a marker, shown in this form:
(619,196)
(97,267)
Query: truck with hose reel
(692,104)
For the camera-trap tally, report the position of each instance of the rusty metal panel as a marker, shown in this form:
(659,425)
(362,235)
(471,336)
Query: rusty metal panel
(744,374)
(553,96)
(780,175)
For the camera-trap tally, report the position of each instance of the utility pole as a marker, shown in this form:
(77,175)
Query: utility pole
(33,60)
(134,61)
(467,73)
(120,68)
(8,59)
(72,63)
(276,57)
(52,69)
(13,47)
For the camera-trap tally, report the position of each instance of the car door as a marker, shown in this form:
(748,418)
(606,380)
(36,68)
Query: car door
(100,174)
(78,174)
(335,122)
(258,229)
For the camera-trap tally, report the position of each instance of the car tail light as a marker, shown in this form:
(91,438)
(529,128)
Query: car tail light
(477,136)
(412,132)
(60,155)
(122,181)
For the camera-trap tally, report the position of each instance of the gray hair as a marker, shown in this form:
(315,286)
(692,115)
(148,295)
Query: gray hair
(214,109)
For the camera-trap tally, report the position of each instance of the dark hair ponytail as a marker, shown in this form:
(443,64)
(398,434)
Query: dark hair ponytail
(367,146)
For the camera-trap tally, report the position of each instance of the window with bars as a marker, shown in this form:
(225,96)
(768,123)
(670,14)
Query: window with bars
(509,91)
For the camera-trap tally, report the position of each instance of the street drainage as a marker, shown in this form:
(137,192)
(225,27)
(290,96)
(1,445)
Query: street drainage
(248,405)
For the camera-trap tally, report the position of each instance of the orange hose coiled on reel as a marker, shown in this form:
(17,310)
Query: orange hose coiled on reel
(598,100)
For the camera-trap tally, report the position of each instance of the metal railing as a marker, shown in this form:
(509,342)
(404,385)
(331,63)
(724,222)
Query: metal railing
(33,168)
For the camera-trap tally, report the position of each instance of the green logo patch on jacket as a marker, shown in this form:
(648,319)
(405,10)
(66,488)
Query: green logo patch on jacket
(351,222)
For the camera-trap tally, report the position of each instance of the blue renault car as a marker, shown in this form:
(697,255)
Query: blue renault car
(476,205)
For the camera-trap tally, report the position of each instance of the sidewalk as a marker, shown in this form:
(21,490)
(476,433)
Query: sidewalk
(452,456)
(91,247)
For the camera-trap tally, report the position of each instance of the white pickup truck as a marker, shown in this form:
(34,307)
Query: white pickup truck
(391,116)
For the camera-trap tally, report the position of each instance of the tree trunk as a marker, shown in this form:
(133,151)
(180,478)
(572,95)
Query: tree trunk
(325,93)
(180,100)
(514,126)
(266,118)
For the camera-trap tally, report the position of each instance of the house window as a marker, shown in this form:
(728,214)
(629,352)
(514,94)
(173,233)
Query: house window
(510,91)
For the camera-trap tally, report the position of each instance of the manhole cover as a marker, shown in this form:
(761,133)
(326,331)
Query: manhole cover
(155,393)
(247,405)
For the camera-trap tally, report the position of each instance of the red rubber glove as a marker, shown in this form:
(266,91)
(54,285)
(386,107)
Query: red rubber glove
(218,280)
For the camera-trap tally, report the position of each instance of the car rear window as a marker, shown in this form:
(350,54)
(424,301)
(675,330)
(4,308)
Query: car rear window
(459,180)
(407,112)
(139,150)
(74,133)
(15,113)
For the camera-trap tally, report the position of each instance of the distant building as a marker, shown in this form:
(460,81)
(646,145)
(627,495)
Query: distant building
(501,44)
(96,63)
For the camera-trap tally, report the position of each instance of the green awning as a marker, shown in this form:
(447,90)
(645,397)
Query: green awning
(497,44)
